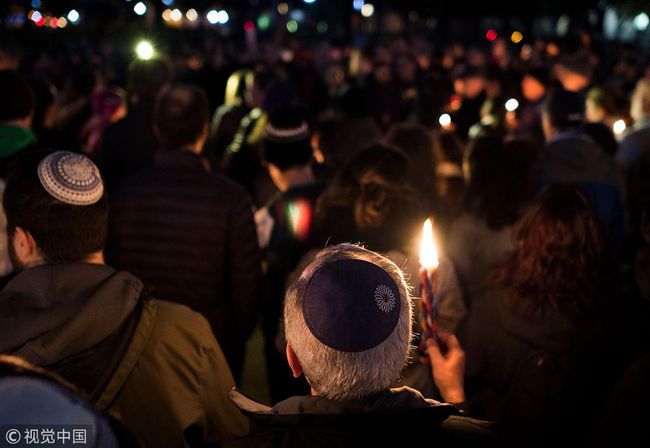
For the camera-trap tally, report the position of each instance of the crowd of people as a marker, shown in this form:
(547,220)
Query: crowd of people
(153,221)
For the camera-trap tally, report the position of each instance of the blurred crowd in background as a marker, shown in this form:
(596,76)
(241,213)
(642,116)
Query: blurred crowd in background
(229,162)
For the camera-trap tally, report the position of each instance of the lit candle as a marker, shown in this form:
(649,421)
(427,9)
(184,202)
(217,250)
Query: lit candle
(429,296)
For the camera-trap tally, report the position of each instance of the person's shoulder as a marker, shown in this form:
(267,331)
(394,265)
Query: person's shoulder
(224,183)
(141,179)
(467,431)
(175,321)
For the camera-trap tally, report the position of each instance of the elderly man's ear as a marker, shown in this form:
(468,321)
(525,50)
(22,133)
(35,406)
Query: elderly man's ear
(294,363)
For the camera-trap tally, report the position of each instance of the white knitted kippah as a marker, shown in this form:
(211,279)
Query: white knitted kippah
(286,135)
(71,178)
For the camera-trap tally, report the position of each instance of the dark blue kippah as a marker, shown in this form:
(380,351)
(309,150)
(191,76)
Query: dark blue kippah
(351,305)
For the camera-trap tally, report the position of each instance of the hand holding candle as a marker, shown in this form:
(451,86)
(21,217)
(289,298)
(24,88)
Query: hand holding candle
(429,285)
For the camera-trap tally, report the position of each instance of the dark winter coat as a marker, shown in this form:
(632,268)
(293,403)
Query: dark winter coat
(396,417)
(541,379)
(190,235)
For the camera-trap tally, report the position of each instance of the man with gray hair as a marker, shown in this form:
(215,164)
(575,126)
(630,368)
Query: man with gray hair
(348,327)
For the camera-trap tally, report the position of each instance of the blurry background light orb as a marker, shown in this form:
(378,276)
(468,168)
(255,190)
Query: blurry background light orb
(264,22)
(512,105)
(176,15)
(223,17)
(144,50)
(619,127)
(292,26)
(368,10)
(516,37)
(641,21)
(192,15)
(212,16)
(444,120)
(140,8)
(73,16)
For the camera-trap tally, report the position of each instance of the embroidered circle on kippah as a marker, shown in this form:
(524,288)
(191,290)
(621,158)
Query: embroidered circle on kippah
(71,178)
(286,135)
(385,298)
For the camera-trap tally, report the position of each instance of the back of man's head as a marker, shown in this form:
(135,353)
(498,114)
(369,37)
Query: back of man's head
(148,78)
(564,109)
(59,200)
(348,320)
(18,100)
(181,116)
(287,138)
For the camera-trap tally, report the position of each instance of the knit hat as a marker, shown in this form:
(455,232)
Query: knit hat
(17,96)
(351,305)
(71,178)
(287,138)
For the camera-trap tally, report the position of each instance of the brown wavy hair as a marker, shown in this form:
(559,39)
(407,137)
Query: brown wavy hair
(557,258)
(371,201)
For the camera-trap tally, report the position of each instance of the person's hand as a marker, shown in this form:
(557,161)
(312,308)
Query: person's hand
(447,367)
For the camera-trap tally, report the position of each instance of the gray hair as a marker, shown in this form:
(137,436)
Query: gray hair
(348,375)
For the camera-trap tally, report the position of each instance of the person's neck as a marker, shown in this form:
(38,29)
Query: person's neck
(194,148)
(24,123)
(296,177)
(94,258)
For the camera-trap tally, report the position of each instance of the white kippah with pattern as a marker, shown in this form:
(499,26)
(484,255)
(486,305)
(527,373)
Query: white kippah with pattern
(71,178)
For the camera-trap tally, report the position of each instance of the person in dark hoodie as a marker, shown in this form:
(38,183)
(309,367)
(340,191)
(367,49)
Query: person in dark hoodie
(572,156)
(154,363)
(348,327)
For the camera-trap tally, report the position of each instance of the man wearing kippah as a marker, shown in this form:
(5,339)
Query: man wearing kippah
(285,229)
(348,328)
(155,365)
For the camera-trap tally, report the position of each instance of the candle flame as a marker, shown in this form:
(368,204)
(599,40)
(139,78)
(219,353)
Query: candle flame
(428,251)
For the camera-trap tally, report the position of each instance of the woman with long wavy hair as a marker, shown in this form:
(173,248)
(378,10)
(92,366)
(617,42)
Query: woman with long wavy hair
(533,340)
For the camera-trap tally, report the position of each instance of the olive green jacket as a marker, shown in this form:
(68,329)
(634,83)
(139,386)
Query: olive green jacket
(155,365)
